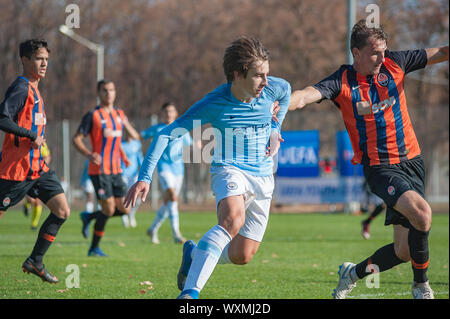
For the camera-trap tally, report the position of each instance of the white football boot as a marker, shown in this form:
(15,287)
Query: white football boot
(422,290)
(346,283)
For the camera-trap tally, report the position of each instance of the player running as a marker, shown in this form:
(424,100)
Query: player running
(23,169)
(131,162)
(104,125)
(170,175)
(240,113)
(371,98)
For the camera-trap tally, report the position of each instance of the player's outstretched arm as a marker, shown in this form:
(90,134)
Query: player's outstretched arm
(301,98)
(131,131)
(437,55)
(139,188)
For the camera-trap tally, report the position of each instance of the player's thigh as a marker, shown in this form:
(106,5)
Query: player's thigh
(231,213)
(46,188)
(242,249)
(416,209)
(401,245)
(58,205)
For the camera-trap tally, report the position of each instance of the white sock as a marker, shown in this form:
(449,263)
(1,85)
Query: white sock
(172,207)
(224,258)
(135,208)
(161,216)
(206,256)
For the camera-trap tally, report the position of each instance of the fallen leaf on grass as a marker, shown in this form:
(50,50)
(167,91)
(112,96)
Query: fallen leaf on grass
(142,291)
(61,291)
(148,283)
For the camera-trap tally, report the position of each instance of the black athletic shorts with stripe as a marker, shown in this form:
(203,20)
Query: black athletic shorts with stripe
(389,182)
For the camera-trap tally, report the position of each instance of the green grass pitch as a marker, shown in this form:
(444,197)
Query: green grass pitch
(298,259)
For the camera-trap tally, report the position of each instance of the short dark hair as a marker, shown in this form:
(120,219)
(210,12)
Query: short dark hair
(101,83)
(166,105)
(241,54)
(29,47)
(361,33)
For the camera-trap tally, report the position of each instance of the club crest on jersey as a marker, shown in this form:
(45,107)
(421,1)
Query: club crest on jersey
(6,201)
(391,190)
(382,79)
(232,186)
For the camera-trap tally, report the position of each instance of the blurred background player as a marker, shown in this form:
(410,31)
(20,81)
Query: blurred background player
(104,125)
(34,204)
(170,175)
(22,168)
(369,201)
(131,163)
(88,190)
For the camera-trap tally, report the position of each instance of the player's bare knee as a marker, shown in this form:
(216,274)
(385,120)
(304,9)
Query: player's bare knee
(423,220)
(62,211)
(242,259)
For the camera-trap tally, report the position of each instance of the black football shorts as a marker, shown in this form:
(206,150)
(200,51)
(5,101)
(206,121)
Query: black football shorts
(389,182)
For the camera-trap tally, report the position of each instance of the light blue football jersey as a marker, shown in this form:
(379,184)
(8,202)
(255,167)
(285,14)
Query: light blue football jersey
(241,130)
(133,150)
(172,158)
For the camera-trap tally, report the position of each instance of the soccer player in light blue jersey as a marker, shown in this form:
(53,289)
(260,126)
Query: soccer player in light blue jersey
(170,175)
(240,113)
(130,170)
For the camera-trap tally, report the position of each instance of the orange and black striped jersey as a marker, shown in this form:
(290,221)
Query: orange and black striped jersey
(105,132)
(23,105)
(374,108)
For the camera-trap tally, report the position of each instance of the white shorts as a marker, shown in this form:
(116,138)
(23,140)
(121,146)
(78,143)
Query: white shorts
(229,181)
(88,186)
(169,180)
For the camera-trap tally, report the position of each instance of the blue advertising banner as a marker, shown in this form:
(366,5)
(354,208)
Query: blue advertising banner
(299,154)
(344,155)
(318,190)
